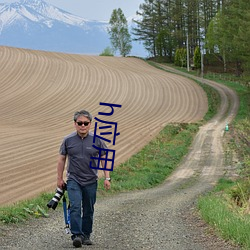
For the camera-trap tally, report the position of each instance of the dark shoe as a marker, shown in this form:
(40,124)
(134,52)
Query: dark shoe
(86,240)
(77,241)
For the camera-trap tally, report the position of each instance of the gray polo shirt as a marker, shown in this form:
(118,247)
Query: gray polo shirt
(79,151)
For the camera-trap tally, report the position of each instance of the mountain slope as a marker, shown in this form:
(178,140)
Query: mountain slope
(36,11)
(35,24)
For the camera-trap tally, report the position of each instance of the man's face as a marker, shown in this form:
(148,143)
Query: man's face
(82,125)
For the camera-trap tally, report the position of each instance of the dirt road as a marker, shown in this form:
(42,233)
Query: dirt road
(159,218)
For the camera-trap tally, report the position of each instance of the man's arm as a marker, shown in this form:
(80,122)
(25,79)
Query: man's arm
(60,170)
(106,173)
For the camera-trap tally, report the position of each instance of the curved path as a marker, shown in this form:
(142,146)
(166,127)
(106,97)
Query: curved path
(161,218)
(40,91)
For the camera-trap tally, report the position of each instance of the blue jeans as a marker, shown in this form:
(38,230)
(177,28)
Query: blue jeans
(82,200)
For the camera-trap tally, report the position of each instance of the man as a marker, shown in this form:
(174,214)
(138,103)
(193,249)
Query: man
(81,179)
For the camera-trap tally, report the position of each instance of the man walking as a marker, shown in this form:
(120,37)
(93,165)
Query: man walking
(78,149)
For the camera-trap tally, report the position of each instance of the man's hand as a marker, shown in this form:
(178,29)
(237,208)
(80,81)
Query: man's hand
(106,184)
(60,183)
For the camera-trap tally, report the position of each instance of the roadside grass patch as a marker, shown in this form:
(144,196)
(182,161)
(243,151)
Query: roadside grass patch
(22,211)
(155,161)
(231,225)
(214,100)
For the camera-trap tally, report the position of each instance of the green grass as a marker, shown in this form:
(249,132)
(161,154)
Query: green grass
(25,210)
(244,94)
(155,161)
(227,77)
(213,100)
(217,212)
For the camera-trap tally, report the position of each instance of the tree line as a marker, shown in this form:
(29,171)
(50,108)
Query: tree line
(219,28)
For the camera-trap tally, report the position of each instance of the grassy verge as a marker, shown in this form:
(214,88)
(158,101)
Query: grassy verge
(155,161)
(25,210)
(217,210)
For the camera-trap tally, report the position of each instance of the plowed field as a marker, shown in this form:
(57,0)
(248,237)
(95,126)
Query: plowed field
(40,91)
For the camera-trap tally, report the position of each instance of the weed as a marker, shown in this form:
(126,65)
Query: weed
(229,224)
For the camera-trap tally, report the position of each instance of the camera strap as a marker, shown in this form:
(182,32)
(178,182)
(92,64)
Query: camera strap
(66,212)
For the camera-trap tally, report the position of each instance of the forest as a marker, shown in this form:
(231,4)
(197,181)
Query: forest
(181,31)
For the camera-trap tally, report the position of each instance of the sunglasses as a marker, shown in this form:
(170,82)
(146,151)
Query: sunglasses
(83,123)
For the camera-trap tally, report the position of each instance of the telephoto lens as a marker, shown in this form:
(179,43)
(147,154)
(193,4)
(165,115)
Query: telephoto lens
(54,201)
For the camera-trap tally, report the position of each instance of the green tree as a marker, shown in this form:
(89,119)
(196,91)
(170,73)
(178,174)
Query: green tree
(164,25)
(107,52)
(241,9)
(228,35)
(216,39)
(197,58)
(181,57)
(146,26)
(119,34)
(177,58)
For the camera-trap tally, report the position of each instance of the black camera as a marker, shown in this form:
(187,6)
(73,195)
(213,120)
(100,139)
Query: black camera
(58,195)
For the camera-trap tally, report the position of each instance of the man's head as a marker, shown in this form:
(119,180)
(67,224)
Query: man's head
(82,113)
(82,121)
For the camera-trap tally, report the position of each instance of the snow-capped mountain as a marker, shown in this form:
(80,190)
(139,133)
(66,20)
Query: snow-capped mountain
(36,24)
(36,11)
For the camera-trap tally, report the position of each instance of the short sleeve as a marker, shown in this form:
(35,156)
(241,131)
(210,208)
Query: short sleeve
(63,148)
(103,146)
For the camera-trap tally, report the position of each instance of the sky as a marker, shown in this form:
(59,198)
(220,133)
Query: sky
(99,10)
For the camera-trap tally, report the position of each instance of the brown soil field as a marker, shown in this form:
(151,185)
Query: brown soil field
(40,91)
